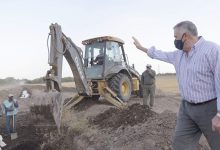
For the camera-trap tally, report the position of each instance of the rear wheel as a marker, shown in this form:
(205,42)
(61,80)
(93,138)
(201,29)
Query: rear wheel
(121,85)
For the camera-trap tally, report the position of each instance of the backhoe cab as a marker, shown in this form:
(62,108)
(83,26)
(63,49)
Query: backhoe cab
(105,59)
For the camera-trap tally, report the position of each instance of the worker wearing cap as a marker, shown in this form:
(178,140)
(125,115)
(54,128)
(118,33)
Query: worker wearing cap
(148,85)
(11,108)
(47,79)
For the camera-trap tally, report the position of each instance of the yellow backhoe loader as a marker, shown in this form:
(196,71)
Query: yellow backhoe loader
(103,71)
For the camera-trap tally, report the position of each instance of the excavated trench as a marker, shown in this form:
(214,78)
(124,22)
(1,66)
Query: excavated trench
(27,145)
(35,125)
(27,139)
(32,133)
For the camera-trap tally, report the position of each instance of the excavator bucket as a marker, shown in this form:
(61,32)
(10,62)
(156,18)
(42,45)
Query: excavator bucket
(48,107)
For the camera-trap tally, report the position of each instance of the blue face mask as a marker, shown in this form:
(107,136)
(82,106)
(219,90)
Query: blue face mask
(179,43)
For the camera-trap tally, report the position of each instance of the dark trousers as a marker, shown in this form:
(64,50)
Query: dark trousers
(148,90)
(9,121)
(192,121)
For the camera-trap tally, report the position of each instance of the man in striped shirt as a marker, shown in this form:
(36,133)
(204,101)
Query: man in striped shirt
(197,65)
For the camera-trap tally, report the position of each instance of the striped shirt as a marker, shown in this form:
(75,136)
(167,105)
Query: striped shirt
(198,73)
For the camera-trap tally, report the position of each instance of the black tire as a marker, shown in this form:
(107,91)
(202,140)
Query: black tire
(121,85)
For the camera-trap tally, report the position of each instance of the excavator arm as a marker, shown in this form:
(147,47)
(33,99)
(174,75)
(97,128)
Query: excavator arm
(60,46)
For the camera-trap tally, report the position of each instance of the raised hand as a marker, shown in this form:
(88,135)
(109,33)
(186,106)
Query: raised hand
(138,45)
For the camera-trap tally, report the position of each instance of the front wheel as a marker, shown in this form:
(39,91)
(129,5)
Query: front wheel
(121,85)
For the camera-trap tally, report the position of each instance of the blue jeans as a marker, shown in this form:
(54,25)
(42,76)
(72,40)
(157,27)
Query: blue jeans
(9,119)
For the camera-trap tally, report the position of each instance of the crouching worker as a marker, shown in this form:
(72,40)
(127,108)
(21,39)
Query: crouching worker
(11,109)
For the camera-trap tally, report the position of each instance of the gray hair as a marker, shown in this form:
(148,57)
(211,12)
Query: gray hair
(187,26)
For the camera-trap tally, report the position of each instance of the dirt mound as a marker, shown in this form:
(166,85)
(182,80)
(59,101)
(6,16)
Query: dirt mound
(152,134)
(115,118)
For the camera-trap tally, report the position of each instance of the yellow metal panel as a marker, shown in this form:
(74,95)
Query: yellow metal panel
(109,95)
(135,83)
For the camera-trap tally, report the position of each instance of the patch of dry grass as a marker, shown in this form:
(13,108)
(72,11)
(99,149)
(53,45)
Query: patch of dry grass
(68,84)
(167,83)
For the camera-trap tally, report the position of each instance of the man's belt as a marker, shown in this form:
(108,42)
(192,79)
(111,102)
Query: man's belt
(202,103)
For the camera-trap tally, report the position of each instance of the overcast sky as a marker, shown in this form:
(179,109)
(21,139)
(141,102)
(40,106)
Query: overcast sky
(24,26)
